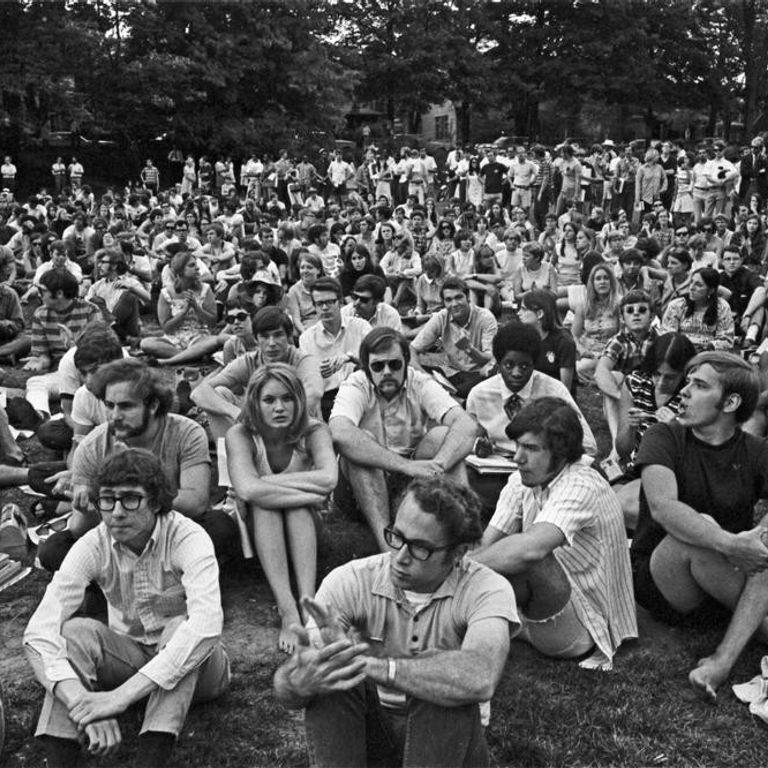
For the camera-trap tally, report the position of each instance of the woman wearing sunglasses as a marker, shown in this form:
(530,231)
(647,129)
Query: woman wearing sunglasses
(282,466)
(238,325)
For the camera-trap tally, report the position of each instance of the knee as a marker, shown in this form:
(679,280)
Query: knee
(53,550)
(80,631)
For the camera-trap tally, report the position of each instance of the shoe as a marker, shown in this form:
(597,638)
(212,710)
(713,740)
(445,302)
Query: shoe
(13,531)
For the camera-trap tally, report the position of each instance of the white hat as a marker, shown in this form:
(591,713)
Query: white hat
(609,143)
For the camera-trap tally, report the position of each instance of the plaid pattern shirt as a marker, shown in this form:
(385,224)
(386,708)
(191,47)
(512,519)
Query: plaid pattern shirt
(54,332)
(626,351)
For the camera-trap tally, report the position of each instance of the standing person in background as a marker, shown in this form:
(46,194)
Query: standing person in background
(59,173)
(8,174)
(650,182)
(570,171)
(76,173)
(150,177)
(541,189)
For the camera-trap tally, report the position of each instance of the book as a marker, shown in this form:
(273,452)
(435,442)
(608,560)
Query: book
(491,465)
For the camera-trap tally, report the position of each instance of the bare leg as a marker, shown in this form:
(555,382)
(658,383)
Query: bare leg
(9,448)
(302,546)
(629,497)
(17,347)
(372,494)
(543,590)
(269,538)
(200,349)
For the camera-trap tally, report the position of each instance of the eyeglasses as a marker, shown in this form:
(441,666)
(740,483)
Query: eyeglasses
(420,552)
(682,233)
(129,501)
(362,299)
(377,366)
(236,317)
(326,303)
(636,309)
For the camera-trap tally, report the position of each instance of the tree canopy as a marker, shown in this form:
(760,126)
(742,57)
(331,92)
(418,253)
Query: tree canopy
(262,74)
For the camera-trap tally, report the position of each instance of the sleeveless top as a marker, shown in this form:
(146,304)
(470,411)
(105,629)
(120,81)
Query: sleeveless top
(301,461)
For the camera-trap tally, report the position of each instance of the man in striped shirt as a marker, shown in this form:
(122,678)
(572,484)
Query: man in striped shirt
(558,535)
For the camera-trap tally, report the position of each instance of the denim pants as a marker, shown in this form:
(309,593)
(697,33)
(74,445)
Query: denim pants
(351,728)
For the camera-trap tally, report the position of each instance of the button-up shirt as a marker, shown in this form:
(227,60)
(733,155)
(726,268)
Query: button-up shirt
(175,575)
(323,345)
(580,503)
(480,328)
(385,314)
(486,400)
(397,424)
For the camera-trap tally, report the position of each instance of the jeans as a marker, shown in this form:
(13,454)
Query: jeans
(351,728)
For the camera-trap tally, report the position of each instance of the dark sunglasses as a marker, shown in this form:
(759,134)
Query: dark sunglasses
(237,317)
(394,365)
(362,299)
(636,309)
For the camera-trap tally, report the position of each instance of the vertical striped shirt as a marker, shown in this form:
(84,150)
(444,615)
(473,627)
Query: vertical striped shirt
(594,557)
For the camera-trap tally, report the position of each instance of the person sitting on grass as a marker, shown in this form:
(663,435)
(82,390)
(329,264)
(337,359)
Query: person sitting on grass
(382,427)
(401,267)
(220,395)
(187,314)
(696,543)
(368,303)
(558,534)
(14,343)
(465,333)
(158,572)
(405,644)
(622,354)
(137,404)
(282,466)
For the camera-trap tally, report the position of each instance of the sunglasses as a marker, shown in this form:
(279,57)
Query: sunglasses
(362,299)
(236,317)
(636,309)
(377,366)
(682,233)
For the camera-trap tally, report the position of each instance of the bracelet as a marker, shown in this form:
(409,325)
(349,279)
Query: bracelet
(391,671)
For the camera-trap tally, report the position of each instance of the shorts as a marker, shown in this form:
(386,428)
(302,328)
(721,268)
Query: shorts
(184,339)
(521,197)
(708,614)
(648,595)
(561,636)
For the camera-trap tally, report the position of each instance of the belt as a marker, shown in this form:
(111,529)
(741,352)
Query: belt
(703,189)
(519,186)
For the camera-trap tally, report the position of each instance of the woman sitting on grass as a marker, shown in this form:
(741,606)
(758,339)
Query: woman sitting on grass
(187,314)
(282,465)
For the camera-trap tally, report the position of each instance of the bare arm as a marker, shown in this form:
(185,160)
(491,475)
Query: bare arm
(295,489)
(453,678)
(359,447)
(743,550)
(604,377)
(518,552)
(462,432)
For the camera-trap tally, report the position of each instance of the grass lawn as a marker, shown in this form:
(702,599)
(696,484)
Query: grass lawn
(545,713)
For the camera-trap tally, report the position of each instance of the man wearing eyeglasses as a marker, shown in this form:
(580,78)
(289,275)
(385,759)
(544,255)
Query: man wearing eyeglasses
(558,535)
(405,645)
(380,424)
(623,353)
(334,341)
(158,572)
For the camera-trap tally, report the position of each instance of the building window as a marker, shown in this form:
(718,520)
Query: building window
(441,128)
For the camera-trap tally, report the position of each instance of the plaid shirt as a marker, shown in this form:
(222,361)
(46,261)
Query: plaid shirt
(626,351)
(54,332)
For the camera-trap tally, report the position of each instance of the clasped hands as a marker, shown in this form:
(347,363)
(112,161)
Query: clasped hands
(94,713)
(339,664)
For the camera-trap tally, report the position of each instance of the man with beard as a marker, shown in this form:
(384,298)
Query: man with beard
(137,406)
(380,426)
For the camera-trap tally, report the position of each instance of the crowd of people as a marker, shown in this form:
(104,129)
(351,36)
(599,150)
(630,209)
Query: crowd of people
(412,342)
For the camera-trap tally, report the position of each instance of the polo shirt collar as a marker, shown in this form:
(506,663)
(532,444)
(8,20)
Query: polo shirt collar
(383,586)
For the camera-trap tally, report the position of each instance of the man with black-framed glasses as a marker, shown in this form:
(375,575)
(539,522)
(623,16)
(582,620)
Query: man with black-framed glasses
(159,574)
(410,642)
(380,424)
